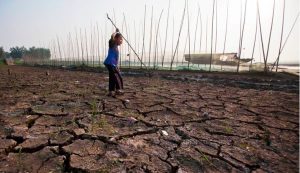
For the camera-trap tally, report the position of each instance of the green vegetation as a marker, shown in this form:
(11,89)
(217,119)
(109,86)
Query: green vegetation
(18,61)
(2,52)
(2,62)
(40,53)
(228,129)
(20,160)
(267,138)
(204,158)
(17,52)
(21,52)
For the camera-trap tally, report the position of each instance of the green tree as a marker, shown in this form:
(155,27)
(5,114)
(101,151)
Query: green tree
(40,53)
(17,52)
(2,53)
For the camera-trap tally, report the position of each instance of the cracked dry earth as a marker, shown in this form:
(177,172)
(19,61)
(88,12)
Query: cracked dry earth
(62,121)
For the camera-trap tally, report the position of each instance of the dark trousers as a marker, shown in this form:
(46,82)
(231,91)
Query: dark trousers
(115,79)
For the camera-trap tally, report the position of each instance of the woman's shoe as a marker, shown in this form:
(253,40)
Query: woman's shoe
(118,92)
(110,94)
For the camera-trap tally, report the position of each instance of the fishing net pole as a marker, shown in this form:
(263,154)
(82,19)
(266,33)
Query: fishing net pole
(127,42)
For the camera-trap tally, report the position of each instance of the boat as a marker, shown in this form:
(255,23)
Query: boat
(217,58)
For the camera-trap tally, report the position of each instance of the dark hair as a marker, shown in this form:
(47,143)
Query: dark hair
(111,42)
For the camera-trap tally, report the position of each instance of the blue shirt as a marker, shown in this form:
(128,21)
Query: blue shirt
(112,57)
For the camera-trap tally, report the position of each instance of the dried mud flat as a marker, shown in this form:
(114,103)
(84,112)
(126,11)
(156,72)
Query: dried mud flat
(62,121)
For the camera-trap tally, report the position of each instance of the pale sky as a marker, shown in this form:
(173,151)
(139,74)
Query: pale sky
(39,23)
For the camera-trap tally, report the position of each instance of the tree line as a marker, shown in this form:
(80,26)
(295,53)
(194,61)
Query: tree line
(21,52)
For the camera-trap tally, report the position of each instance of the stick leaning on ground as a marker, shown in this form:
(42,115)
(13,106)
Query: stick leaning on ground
(127,42)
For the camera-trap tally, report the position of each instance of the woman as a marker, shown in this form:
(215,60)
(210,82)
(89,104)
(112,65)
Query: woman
(111,63)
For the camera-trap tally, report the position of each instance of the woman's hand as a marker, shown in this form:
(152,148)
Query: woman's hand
(116,69)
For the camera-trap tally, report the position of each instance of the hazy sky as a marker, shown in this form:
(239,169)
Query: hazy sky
(39,23)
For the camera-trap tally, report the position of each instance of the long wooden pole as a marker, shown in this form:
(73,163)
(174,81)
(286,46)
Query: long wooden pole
(163,57)
(127,42)
(189,35)
(242,36)
(82,49)
(206,34)
(86,47)
(216,26)
(279,52)
(173,33)
(182,20)
(92,46)
(254,40)
(195,37)
(156,38)
(127,35)
(269,42)
(77,45)
(261,35)
(98,45)
(212,35)
(150,37)
(60,56)
(72,49)
(135,45)
(143,46)
(226,27)
(289,35)
(201,31)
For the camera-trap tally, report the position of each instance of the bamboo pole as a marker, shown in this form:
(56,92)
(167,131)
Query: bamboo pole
(98,45)
(189,35)
(269,42)
(173,28)
(82,49)
(288,35)
(279,51)
(201,31)
(105,41)
(261,36)
(143,46)
(185,44)
(126,40)
(122,48)
(242,36)
(196,28)
(226,27)
(135,46)
(150,37)
(59,49)
(255,35)
(156,37)
(265,55)
(216,26)
(55,54)
(69,49)
(182,20)
(212,35)
(72,48)
(139,42)
(126,28)
(77,43)
(161,46)
(103,45)
(167,27)
(86,47)
(206,34)
(92,46)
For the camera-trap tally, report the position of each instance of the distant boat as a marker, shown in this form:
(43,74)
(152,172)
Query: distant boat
(217,58)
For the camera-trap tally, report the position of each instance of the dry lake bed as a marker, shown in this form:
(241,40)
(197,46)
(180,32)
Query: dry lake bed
(57,120)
